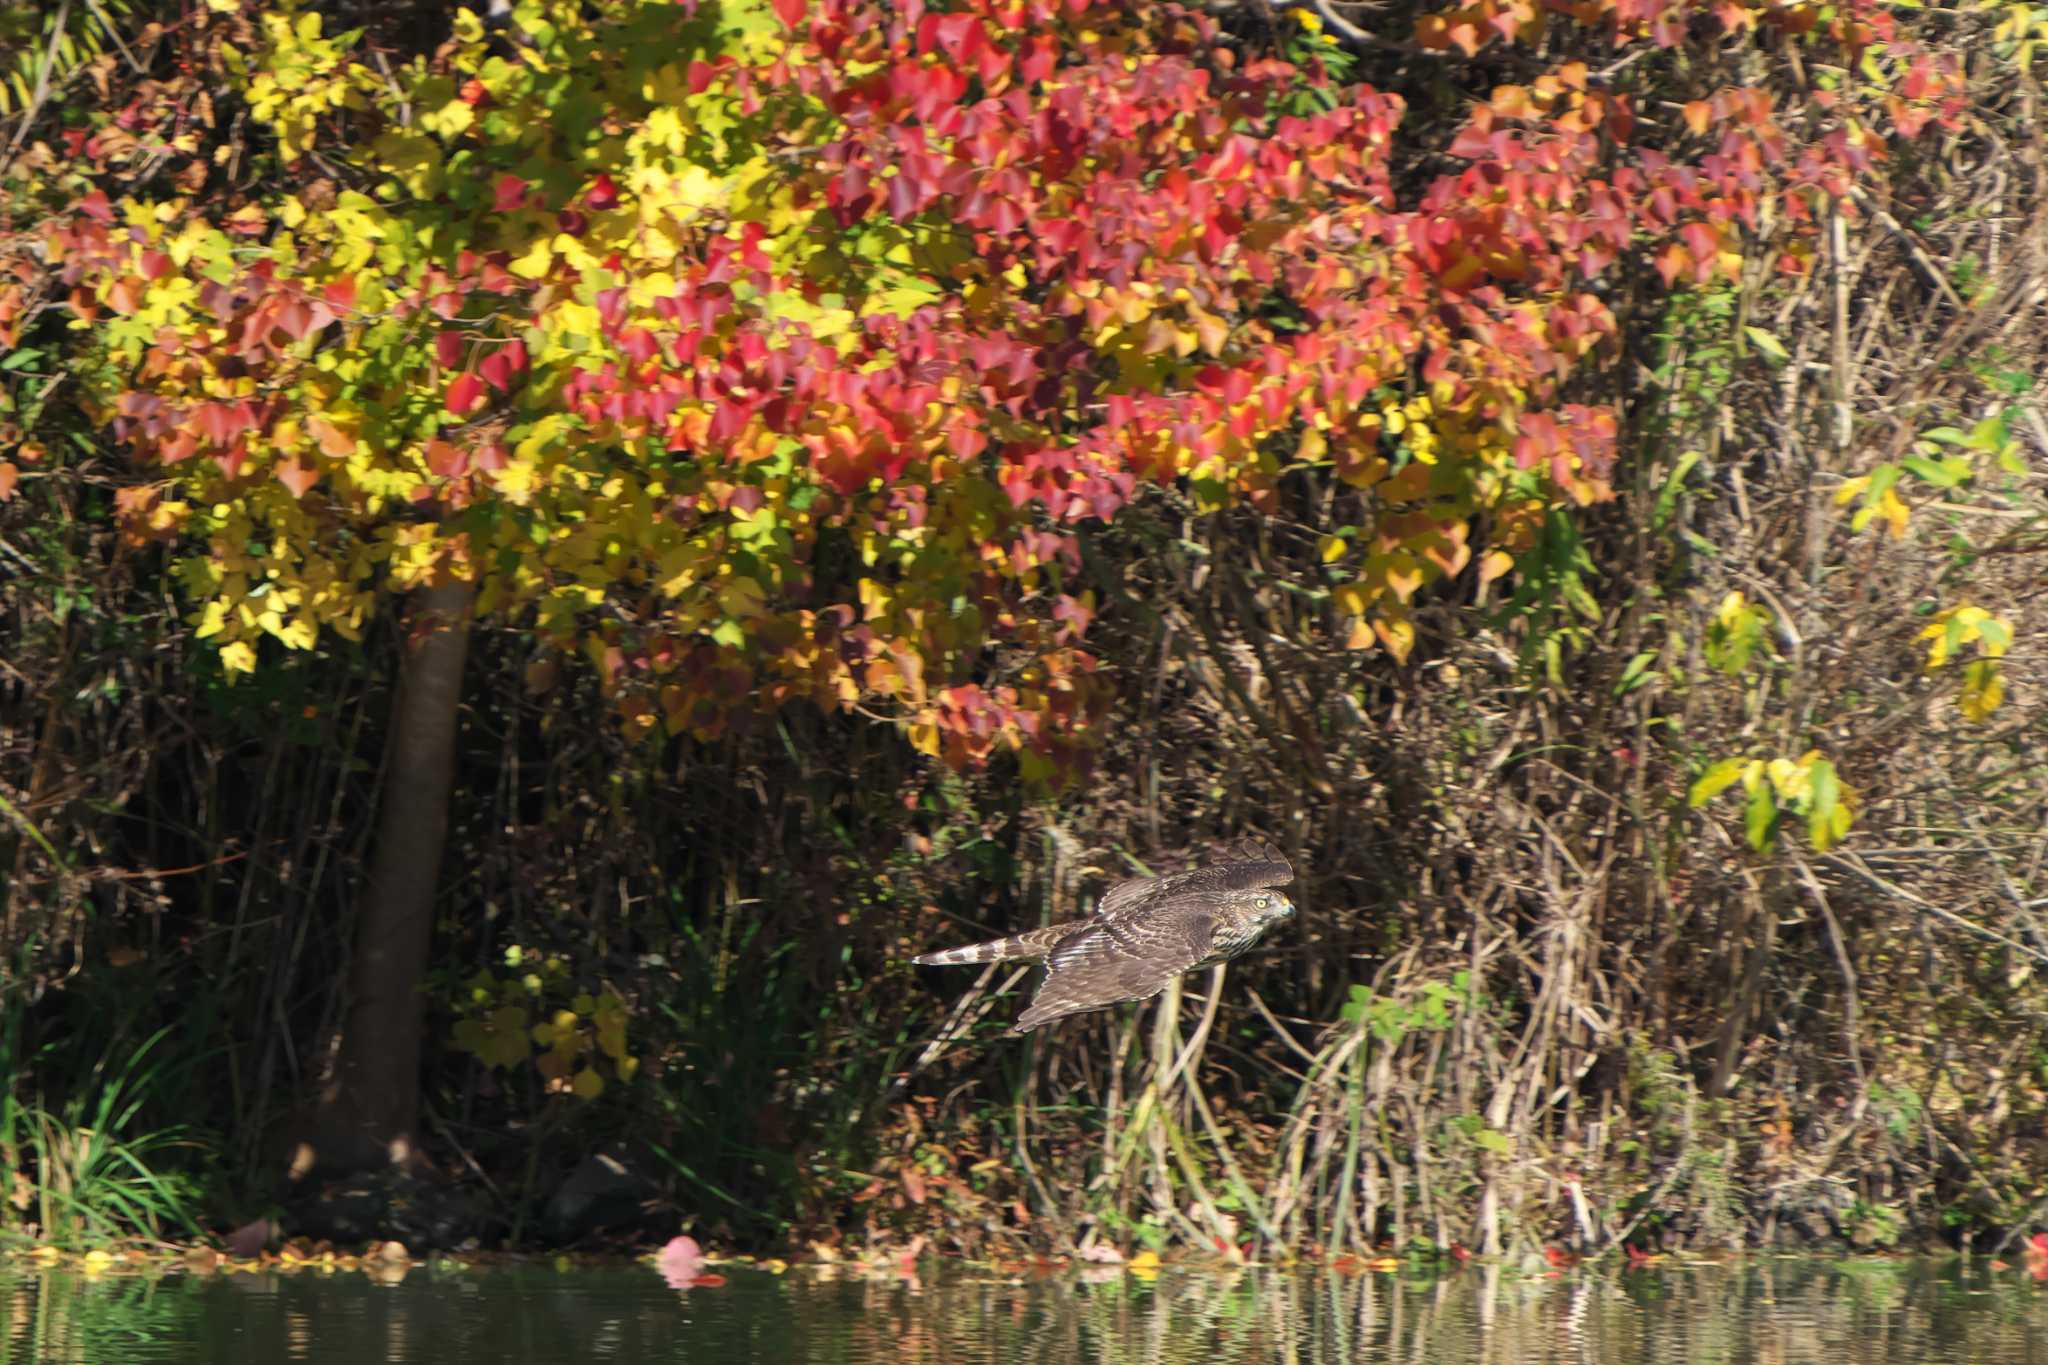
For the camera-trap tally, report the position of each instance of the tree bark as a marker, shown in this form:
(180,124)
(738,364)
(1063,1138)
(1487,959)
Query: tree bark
(368,1110)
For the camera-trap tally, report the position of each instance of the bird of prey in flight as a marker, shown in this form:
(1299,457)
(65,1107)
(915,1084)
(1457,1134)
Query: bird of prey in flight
(1145,932)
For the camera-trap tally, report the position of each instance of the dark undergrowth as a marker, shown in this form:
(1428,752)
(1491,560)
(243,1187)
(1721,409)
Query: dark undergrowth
(1534,998)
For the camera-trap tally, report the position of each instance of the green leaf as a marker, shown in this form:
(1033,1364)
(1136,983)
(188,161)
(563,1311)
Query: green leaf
(1636,674)
(1760,818)
(1990,435)
(1667,496)
(1940,473)
(1771,347)
(1715,780)
(1824,792)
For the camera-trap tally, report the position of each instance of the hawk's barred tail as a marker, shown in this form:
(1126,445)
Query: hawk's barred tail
(1017,948)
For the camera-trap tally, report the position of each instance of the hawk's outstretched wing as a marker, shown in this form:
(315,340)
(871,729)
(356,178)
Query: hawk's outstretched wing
(1111,961)
(1243,866)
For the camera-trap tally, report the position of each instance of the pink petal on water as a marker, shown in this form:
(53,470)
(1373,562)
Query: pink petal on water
(680,1261)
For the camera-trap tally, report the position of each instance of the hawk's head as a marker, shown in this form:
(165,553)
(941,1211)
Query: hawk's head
(1262,907)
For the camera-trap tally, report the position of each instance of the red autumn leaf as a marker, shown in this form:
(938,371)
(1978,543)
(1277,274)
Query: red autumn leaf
(508,193)
(155,265)
(340,294)
(448,349)
(498,369)
(294,319)
(639,345)
(790,12)
(96,207)
(966,440)
(465,393)
(216,422)
(602,194)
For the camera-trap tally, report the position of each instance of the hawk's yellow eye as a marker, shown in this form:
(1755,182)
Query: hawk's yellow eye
(1265,901)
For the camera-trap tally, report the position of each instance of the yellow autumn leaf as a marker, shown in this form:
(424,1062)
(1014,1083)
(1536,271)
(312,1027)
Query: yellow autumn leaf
(239,657)
(1983,690)
(587,1084)
(535,262)
(1397,635)
(450,120)
(1894,512)
(213,618)
(300,634)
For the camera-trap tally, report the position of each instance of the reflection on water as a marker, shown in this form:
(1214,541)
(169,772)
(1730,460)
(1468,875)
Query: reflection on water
(1766,1312)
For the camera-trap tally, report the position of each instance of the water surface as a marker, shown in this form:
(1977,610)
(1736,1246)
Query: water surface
(1767,1311)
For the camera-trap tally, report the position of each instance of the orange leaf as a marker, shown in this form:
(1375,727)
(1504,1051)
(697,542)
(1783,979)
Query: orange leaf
(333,440)
(9,475)
(446,459)
(296,477)
(1672,262)
(1698,114)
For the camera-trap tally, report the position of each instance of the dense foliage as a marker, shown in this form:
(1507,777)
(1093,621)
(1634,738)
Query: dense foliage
(940,435)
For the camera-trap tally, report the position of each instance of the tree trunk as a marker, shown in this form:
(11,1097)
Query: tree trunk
(368,1110)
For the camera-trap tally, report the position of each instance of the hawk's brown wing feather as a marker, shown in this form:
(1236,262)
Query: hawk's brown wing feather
(1111,961)
(1245,865)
